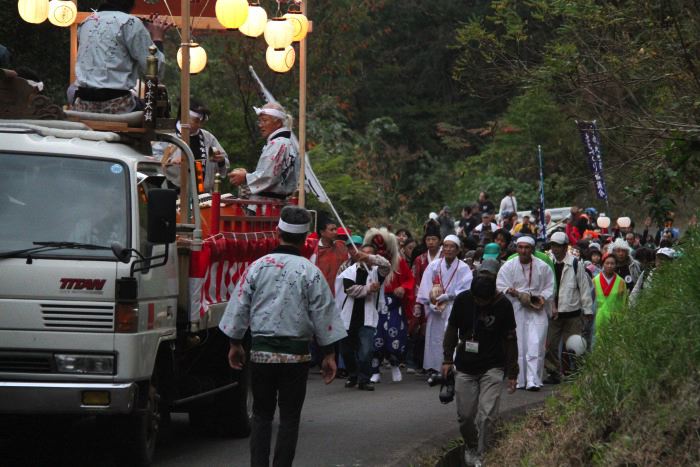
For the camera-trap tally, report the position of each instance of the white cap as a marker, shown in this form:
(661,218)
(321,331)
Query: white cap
(433,216)
(668,252)
(559,238)
(594,246)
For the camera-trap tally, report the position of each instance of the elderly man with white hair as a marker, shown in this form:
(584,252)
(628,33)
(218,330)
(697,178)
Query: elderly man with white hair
(442,281)
(278,167)
(528,282)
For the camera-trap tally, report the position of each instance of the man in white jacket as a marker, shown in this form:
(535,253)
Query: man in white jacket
(573,303)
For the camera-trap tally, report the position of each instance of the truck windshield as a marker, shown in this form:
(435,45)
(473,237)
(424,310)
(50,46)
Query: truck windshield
(62,199)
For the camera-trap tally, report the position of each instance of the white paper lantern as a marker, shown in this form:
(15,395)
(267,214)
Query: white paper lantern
(232,13)
(254,26)
(624,222)
(603,221)
(279,33)
(198,58)
(300,24)
(33,11)
(280,60)
(62,13)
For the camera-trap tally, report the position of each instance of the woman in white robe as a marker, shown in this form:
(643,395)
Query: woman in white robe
(454,276)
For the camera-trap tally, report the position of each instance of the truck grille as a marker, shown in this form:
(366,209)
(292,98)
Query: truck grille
(14,362)
(85,318)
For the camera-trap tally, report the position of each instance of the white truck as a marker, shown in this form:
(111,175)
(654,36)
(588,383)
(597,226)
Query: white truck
(96,300)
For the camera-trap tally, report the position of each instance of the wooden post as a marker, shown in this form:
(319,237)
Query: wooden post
(185,108)
(302,113)
(73,51)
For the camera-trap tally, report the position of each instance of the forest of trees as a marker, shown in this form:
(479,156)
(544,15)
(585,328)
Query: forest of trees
(416,104)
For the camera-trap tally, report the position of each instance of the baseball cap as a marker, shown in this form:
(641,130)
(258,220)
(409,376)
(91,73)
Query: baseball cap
(668,252)
(342,231)
(594,246)
(490,265)
(559,238)
(356,239)
(491,251)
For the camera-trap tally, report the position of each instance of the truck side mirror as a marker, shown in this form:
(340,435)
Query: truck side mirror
(161,216)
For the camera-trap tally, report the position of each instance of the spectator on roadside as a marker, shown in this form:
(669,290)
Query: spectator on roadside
(481,335)
(485,226)
(485,204)
(467,222)
(626,267)
(509,204)
(447,224)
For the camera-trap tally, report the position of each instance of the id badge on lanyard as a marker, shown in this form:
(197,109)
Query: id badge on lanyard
(471,346)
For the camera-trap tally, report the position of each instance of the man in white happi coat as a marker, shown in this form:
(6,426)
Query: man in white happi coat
(442,281)
(528,282)
(278,167)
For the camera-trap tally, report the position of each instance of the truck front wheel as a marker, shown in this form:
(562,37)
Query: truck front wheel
(136,434)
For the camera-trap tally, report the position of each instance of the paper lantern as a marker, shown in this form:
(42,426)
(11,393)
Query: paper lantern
(198,58)
(62,13)
(232,13)
(624,222)
(300,24)
(254,26)
(279,33)
(33,11)
(280,60)
(603,221)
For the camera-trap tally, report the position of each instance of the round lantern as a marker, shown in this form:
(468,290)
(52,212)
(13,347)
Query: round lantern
(255,24)
(198,58)
(62,12)
(33,11)
(280,60)
(300,24)
(232,13)
(624,222)
(603,221)
(279,33)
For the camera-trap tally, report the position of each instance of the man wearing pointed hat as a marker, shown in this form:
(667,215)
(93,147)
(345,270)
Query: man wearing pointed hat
(442,281)
(284,300)
(528,282)
(277,171)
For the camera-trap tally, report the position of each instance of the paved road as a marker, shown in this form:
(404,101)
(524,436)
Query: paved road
(340,428)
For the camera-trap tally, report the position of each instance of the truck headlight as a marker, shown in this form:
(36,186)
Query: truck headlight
(85,364)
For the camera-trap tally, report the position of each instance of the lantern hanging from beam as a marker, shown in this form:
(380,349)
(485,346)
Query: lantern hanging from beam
(279,33)
(232,13)
(62,13)
(603,221)
(300,23)
(198,58)
(280,60)
(33,11)
(254,26)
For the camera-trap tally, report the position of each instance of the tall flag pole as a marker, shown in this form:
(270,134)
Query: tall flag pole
(543,226)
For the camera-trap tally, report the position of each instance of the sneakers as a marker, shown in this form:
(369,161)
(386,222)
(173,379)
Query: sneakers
(471,458)
(368,386)
(410,371)
(395,374)
(351,383)
(376,378)
(533,388)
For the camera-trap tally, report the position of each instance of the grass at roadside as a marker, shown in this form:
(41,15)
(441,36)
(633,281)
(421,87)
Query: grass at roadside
(635,401)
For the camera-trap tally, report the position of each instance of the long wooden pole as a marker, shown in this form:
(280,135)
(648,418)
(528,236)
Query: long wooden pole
(302,112)
(185,107)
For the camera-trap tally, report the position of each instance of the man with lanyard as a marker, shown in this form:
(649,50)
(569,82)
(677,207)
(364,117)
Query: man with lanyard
(529,284)
(209,155)
(573,302)
(277,171)
(285,302)
(482,330)
(509,204)
(627,267)
(442,281)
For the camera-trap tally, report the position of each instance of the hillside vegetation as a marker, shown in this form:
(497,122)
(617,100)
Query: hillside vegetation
(635,400)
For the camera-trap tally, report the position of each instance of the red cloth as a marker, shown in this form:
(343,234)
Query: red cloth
(328,260)
(404,279)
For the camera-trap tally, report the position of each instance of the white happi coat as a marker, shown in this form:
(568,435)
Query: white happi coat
(437,321)
(373,301)
(531,324)
(278,167)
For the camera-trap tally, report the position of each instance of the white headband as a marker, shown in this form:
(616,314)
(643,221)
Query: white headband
(200,117)
(526,239)
(271,112)
(293,228)
(454,239)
